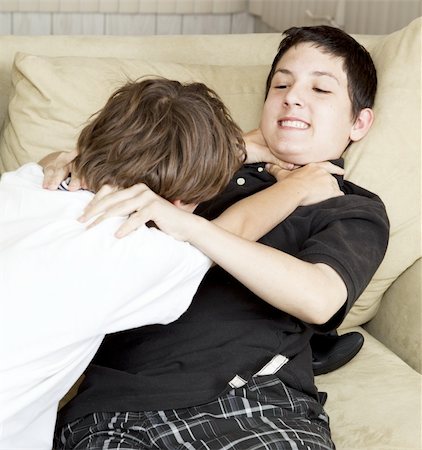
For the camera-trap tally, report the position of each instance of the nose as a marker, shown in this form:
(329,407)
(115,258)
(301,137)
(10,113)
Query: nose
(293,96)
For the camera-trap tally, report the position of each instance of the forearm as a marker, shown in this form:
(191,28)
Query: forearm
(254,216)
(310,292)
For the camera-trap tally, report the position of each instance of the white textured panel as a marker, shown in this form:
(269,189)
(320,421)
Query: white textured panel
(283,14)
(380,16)
(129,6)
(5,23)
(357,16)
(69,5)
(70,23)
(169,24)
(130,24)
(93,23)
(31,23)
(206,24)
(49,5)
(108,6)
(202,7)
(147,6)
(242,23)
(229,6)
(9,5)
(90,5)
(28,5)
(256,7)
(262,27)
(66,23)
(184,6)
(166,7)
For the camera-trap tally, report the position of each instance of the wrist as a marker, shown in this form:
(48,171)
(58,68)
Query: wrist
(195,230)
(296,189)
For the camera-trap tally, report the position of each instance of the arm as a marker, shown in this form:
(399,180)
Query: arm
(254,216)
(274,276)
(250,218)
(57,167)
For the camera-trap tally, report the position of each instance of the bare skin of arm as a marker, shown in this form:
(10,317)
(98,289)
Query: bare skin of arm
(250,218)
(274,276)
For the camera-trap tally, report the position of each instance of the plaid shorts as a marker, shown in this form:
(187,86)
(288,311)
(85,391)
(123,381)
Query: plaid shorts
(264,414)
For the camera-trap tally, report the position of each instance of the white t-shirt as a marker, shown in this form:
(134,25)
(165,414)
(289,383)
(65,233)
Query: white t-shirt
(63,287)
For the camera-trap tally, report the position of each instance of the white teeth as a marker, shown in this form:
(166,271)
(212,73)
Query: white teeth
(294,124)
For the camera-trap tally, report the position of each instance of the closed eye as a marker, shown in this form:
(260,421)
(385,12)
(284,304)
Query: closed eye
(321,91)
(281,86)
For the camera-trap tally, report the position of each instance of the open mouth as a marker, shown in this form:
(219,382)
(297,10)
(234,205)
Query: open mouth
(297,124)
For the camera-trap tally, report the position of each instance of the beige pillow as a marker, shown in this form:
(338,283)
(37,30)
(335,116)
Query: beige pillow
(388,160)
(55,96)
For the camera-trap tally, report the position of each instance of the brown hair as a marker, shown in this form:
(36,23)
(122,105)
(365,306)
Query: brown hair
(178,139)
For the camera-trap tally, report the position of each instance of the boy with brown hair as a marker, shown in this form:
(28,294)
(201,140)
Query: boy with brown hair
(235,371)
(178,138)
(145,133)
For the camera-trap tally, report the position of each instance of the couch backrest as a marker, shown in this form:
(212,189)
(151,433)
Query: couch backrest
(236,49)
(51,97)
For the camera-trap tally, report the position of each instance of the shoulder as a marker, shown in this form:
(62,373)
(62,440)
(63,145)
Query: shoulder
(28,174)
(364,203)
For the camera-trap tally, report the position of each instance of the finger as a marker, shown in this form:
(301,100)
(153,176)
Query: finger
(53,177)
(280,163)
(99,203)
(276,171)
(115,211)
(97,221)
(104,191)
(135,221)
(331,168)
(117,203)
(75,184)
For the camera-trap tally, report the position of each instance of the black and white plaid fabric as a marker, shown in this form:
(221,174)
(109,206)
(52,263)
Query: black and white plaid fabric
(264,414)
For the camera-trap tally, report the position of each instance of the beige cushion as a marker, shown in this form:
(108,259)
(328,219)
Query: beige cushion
(374,401)
(54,96)
(388,160)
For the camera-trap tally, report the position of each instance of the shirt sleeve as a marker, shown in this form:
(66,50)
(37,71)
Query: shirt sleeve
(353,241)
(155,279)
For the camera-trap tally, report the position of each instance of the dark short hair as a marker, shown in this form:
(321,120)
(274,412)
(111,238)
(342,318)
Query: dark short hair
(178,139)
(357,62)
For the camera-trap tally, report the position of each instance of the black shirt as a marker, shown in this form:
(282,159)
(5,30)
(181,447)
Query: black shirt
(229,331)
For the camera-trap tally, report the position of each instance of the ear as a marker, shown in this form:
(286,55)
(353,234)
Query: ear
(189,207)
(362,124)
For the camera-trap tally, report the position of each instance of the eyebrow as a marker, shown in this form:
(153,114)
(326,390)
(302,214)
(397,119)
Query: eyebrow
(316,73)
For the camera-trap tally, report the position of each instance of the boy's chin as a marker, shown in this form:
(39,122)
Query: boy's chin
(293,155)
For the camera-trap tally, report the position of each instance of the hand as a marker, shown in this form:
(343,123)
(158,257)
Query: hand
(142,205)
(315,181)
(57,167)
(258,151)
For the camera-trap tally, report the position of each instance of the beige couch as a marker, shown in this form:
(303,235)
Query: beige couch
(375,400)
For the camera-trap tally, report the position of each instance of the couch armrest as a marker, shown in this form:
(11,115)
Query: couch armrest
(398,322)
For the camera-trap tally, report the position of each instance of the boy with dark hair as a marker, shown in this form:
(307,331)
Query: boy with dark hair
(178,138)
(235,371)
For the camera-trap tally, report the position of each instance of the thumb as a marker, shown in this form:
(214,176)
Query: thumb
(272,159)
(282,164)
(277,171)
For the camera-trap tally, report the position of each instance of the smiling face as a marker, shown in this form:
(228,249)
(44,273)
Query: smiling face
(307,116)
